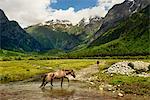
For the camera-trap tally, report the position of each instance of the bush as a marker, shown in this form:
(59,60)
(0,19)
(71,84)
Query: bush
(6,59)
(18,58)
(4,78)
(31,58)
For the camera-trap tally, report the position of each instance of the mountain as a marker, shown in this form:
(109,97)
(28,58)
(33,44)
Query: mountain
(129,37)
(13,37)
(58,25)
(119,12)
(86,28)
(62,34)
(52,38)
(123,31)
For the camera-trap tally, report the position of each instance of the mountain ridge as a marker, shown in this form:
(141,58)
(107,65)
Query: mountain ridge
(132,39)
(13,37)
(119,12)
(125,24)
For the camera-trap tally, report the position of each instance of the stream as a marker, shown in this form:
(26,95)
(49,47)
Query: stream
(31,91)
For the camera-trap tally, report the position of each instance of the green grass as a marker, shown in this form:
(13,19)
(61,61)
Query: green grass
(20,70)
(4,53)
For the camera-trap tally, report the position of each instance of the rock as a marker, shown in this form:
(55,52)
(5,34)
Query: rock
(129,68)
(113,91)
(111,75)
(143,74)
(101,88)
(108,87)
(120,68)
(120,94)
(91,83)
(140,65)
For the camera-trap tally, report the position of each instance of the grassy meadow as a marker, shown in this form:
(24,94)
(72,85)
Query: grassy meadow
(17,70)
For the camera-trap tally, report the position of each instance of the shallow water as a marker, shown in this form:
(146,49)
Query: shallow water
(74,91)
(31,91)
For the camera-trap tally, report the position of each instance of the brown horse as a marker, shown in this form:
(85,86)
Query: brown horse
(61,74)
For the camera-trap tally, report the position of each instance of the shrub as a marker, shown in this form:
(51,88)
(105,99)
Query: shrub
(31,58)
(6,59)
(18,58)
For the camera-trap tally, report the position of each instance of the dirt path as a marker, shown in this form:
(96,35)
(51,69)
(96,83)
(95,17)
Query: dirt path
(85,73)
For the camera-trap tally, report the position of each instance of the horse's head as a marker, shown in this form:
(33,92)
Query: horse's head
(72,73)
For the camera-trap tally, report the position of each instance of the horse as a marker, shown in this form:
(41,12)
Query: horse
(60,74)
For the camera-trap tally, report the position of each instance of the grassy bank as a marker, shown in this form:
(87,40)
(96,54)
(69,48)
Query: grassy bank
(128,84)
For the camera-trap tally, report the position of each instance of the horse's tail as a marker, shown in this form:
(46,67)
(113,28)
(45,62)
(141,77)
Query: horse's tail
(44,79)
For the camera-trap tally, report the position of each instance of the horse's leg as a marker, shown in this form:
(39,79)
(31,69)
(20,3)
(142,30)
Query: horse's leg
(44,79)
(51,82)
(42,84)
(62,81)
(45,83)
(68,80)
(52,78)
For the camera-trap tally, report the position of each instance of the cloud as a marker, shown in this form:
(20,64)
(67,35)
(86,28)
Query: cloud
(26,12)
(75,17)
(29,12)
(108,3)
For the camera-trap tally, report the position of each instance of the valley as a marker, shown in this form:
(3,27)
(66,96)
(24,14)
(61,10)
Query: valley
(110,55)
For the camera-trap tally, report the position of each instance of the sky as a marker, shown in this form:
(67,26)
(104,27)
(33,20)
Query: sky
(76,4)
(30,12)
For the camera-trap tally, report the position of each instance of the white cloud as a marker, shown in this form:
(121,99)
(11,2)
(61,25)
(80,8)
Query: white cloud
(108,3)
(75,17)
(28,12)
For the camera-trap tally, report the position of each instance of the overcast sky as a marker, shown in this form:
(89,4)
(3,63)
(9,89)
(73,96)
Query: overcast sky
(29,12)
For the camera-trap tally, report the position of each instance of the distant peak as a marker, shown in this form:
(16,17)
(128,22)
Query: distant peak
(85,21)
(3,18)
(57,21)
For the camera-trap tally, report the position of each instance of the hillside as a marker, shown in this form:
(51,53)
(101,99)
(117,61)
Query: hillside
(129,37)
(52,39)
(13,37)
(119,12)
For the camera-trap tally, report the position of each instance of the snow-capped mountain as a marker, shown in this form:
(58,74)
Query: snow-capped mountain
(55,24)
